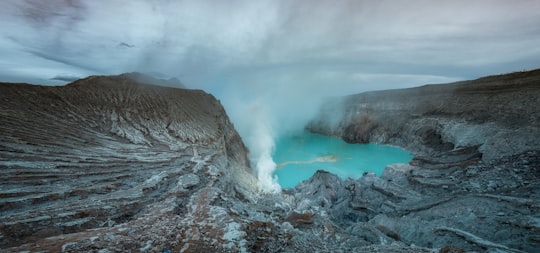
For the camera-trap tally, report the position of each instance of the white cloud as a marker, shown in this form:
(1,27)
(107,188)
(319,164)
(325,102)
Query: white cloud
(201,40)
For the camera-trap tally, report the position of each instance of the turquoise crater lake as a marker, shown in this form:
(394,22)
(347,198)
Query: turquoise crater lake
(299,157)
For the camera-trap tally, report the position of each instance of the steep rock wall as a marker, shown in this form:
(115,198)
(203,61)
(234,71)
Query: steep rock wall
(101,150)
(473,184)
(497,113)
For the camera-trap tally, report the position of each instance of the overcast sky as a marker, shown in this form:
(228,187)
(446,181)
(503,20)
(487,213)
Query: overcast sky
(338,47)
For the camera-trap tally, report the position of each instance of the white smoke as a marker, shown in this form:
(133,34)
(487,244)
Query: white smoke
(260,140)
(273,106)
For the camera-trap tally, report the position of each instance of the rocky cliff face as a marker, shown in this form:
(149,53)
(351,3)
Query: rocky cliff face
(106,151)
(473,183)
(109,164)
(499,114)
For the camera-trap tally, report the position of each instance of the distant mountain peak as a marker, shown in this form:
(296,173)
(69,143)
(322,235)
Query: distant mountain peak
(132,77)
(151,79)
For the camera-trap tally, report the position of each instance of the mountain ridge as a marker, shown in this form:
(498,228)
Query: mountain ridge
(500,104)
(103,130)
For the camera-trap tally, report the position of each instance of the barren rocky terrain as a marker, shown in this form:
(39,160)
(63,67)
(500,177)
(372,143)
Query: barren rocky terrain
(476,167)
(498,113)
(103,151)
(110,164)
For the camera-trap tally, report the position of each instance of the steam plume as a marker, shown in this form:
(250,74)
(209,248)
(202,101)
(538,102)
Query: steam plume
(269,110)
(261,143)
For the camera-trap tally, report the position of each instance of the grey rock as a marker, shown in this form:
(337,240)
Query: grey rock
(107,164)
(188,181)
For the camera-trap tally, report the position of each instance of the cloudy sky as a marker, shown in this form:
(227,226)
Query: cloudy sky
(338,47)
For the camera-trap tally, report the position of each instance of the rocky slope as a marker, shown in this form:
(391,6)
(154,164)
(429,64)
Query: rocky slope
(497,113)
(109,164)
(474,181)
(103,151)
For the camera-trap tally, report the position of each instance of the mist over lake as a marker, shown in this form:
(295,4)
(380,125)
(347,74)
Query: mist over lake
(298,157)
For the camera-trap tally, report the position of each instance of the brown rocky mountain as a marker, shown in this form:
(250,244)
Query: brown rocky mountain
(110,164)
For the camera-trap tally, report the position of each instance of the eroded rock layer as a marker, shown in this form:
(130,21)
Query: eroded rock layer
(108,164)
(499,114)
(474,183)
(104,151)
